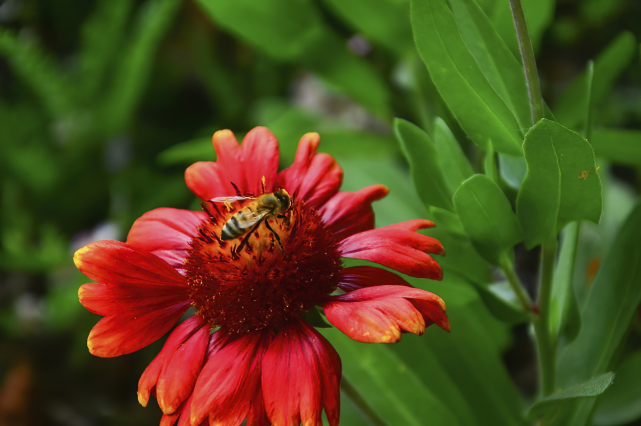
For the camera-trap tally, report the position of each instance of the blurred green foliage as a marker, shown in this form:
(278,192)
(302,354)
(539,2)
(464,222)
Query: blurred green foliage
(103,103)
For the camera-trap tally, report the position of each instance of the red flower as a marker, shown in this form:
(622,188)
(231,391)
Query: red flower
(248,353)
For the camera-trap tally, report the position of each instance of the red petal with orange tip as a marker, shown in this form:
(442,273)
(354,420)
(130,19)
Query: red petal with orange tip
(174,371)
(166,232)
(131,330)
(348,213)
(230,380)
(301,376)
(398,247)
(380,313)
(244,165)
(313,178)
(114,262)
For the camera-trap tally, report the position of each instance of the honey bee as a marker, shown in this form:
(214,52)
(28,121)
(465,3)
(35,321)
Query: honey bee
(249,218)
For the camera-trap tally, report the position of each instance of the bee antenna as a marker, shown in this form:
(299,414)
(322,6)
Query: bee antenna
(236,188)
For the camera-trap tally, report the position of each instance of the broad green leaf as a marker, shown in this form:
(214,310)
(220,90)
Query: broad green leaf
(538,14)
(38,71)
(564,316)
(621,403)
(512,169)
(606,313)
(385,22)
(136,63)
(448,220)
(480,110)
(305,40)
(608,66)
(487,217)
(499,65)
(561,184)
(618,145)
(456,166)
(547,409)
(502,303)
(425,165)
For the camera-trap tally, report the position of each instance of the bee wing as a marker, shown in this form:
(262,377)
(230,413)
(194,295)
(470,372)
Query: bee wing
(252,218)
(230,199)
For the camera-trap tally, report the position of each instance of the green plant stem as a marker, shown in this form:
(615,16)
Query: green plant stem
(541,323)
(517,287)
(529,63)
(357,399)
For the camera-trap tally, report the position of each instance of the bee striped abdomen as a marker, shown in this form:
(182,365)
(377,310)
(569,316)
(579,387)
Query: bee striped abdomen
(232,229)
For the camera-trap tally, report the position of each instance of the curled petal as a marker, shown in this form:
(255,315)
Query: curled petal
(243,165)
(358,277)
(229,381)
(348,213)
(166,232)
(380,313)
(174,371)
(301,376)
(313,178)
(398,247)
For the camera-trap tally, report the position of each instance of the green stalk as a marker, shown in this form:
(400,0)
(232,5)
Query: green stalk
(547,358)
(517,287)
(529,64)
(357,399)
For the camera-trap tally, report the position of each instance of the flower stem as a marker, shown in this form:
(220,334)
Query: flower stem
(517,287)
(541,323)
(529,64)
(357,399)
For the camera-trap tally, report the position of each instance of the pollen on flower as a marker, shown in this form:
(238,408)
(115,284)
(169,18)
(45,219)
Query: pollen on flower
(263,284)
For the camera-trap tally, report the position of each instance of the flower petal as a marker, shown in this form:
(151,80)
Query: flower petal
(399,247)
(348,213)
(129,331)
(378,314)
(301,375)
(243,165)
(115,262)
(174,371)
(358,277)
(166,232)
(141,295)
(313,178)
(229,381)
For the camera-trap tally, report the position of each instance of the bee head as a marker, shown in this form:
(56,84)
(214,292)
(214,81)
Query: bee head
(284,198)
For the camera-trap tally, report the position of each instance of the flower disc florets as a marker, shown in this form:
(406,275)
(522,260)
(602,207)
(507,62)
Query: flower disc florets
(263,285)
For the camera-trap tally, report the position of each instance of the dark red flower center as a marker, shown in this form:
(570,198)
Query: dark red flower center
(263,284)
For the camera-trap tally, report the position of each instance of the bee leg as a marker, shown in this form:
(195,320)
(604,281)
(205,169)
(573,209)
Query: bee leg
(236,188)
(275,234)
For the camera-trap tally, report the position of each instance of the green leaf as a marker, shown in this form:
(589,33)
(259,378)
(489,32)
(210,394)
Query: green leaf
(188,152)
(561,184)
(502,303)
(448,220)
(39,72)
(564,316)
(425,165)
(489,163)
(136,63)
(386,24)
(456,166)
(608,66)
(547,409)
(621,403)
(477,106)
(487,217)
(618,145)
(512,169)
(606,313)
(501,68)
(305,40)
